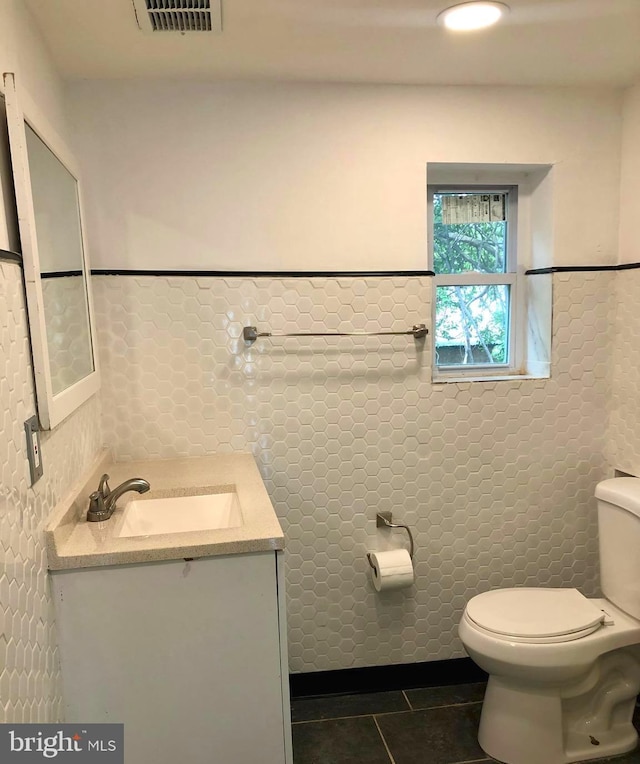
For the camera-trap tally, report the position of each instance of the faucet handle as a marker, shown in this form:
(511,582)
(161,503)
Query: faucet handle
(97,511)
(104,484)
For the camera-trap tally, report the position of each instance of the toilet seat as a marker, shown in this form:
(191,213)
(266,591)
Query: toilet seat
(535,615)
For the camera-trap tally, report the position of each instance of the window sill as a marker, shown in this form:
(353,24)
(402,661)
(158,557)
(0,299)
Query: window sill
(443,380)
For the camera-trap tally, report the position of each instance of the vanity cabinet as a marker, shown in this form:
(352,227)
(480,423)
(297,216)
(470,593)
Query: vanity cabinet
(189,654)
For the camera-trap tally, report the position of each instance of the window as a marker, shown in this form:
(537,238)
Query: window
(473,253)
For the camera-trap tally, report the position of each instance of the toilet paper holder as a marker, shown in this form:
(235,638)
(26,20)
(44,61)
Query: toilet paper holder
(385,520)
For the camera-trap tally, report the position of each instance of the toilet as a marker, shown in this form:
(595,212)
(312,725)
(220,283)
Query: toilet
(564,670)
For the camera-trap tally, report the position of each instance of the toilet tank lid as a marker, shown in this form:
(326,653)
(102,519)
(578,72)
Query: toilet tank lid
(622,492)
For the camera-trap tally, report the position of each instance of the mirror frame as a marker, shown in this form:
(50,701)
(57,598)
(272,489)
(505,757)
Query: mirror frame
(52,409)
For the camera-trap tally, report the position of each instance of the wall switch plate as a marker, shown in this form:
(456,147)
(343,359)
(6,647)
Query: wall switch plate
(32,431)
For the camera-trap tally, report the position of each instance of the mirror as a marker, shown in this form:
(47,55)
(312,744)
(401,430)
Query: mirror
(55,263)
(66,310)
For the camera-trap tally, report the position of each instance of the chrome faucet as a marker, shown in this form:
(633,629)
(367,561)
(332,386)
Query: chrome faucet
(102,503)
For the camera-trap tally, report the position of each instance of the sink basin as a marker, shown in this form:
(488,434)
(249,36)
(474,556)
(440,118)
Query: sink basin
(180,514)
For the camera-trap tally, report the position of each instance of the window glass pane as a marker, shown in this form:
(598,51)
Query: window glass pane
(478,244)
(472,325)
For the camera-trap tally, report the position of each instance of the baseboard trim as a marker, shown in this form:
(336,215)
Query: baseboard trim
(402,676)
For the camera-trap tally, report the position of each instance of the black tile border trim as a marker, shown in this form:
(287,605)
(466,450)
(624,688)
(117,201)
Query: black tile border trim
(10,257)
(581,268)
(335,274)
(59,274)
(402,676)
(262,274)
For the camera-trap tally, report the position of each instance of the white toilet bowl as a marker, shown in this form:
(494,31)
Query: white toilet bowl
(564,670)
(557,702)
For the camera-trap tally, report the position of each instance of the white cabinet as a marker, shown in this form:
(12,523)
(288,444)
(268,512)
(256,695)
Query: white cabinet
(190,655)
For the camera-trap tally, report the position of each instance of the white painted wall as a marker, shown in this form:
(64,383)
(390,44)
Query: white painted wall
(300,177)
(23,51)
(630,177)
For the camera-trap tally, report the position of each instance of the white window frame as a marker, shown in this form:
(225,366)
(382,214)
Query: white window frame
(511,277)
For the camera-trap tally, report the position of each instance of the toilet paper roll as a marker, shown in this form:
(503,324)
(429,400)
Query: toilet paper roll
(391,570)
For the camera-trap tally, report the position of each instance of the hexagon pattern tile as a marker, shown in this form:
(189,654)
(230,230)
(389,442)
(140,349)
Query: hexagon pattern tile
(29,674)
(496,478)
(625,416)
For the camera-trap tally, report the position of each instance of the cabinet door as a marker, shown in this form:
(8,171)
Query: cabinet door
(186,654)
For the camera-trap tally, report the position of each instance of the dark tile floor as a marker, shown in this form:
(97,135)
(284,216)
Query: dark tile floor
(436,725)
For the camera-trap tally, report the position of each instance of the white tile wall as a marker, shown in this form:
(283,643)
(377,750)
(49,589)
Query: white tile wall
(29,673)
(495,478)
(624,437)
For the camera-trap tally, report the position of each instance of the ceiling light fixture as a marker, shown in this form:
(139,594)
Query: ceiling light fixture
(474,15)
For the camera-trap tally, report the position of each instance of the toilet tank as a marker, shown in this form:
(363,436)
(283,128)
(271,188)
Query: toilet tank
(619,539)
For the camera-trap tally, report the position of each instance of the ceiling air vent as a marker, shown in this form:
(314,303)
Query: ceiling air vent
(179,15)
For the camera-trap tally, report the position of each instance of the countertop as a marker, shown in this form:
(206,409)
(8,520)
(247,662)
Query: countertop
(72,542)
